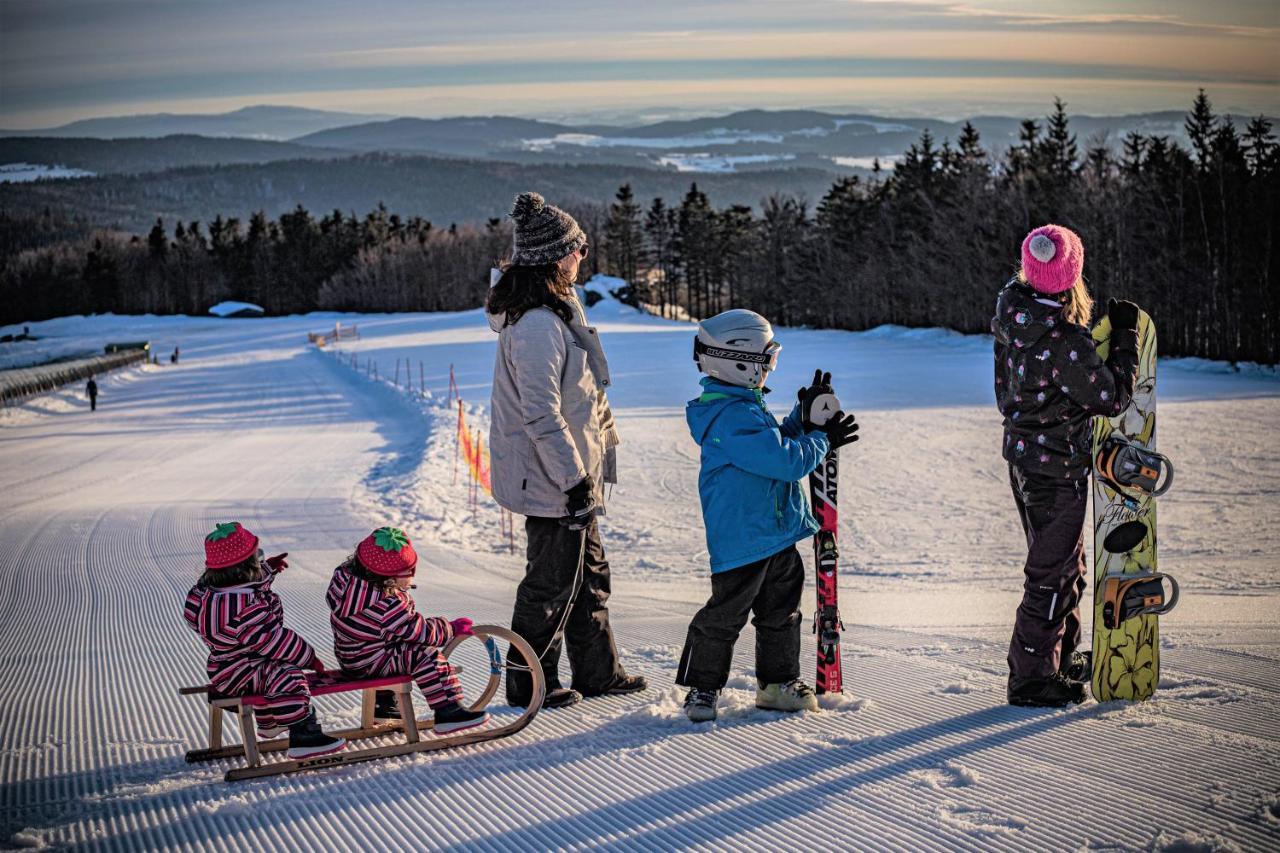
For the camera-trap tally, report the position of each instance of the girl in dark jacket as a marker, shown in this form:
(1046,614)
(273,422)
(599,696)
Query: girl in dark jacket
(1049,384)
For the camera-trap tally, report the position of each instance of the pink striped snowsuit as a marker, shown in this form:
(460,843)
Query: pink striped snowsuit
(379,633)
(250,650)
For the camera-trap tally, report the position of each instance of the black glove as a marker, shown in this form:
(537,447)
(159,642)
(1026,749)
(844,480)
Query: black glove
(842,429)
(821,385)
(1123,314)
(582,505)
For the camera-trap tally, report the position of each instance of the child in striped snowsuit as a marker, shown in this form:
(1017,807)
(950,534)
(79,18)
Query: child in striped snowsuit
(251,652)
(377,631)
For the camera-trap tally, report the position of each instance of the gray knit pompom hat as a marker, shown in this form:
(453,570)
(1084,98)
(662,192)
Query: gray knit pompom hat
(544,233)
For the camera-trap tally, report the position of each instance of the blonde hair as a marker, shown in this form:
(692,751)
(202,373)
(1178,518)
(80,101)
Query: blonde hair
(1077,304)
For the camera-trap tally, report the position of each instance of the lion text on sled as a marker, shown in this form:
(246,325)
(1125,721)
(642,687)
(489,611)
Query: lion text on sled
(255,752)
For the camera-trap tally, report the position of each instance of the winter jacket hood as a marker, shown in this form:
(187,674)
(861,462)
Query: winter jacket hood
(752,503)
(243,626)
(1050,382)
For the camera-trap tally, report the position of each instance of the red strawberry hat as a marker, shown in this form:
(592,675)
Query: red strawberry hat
(228,544)
(387,551)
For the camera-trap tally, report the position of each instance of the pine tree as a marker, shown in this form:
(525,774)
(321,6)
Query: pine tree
(1200,125)
(1258,143)
(623,241)
(157,241)
(660,232)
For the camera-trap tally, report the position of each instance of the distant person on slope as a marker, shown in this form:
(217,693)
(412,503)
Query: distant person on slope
(552,441)
(92,390)
(1049,383)
(251,652)
(755,512)
(377,630)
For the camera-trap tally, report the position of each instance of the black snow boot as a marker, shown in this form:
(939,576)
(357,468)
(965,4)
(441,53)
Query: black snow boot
(620,685)
(561,697)
(306,740)
(1078,667)
(455,718)
(1056,691)
(385,706)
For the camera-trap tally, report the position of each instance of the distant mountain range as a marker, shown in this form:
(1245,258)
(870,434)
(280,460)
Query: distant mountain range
(260,122)
(459,169)
(443,191)
(136,155)
(751,140)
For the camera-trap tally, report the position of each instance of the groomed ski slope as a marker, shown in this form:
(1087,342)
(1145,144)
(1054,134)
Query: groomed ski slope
(102,516)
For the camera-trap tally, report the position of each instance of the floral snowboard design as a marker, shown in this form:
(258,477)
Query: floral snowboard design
(1126,661)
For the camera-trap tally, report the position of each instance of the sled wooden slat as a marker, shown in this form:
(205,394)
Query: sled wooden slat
(253,750)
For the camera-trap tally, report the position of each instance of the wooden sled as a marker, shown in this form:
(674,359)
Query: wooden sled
(322,684)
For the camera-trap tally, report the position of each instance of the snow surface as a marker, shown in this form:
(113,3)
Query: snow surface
(715,136)
(21,173)
(887,161)
(230,307)
(100,532)
(704,162)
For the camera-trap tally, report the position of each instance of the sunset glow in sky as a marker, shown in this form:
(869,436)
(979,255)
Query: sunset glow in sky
(62,60)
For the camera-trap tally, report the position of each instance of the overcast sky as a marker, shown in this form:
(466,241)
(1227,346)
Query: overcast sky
(62,60)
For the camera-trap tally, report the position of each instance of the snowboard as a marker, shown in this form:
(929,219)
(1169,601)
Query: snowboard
(823,483)
(1128,589)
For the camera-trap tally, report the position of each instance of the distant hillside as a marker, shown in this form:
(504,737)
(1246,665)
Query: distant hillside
(129,156)
(260,122)
(751,139)
(443,191)
(465,137)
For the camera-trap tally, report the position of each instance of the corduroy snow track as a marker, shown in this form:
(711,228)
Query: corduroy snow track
(100,535)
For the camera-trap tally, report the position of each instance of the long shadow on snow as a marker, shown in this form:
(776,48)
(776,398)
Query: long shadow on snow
(474,769)
(768,811)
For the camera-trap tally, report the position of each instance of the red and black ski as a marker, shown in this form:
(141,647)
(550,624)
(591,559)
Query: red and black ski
(826,619)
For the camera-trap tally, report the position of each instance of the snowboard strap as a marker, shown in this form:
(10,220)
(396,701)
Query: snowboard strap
(1124,464)
(1127,596)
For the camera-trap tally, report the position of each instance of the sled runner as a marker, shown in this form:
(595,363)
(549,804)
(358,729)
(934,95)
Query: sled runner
(329,683)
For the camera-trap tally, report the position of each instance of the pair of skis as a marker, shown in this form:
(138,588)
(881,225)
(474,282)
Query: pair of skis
(823,483)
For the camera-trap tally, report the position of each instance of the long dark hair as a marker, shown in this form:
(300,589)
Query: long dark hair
(523,288)
(246,571)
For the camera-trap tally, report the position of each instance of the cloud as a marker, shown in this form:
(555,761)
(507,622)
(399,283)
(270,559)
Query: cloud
(82,55)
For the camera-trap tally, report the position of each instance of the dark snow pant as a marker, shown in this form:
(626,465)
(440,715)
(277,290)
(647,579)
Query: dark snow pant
(541,598)
(771,589)
(1047,628)
(93,402)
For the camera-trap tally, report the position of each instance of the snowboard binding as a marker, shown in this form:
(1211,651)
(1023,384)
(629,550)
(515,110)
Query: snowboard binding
(1127,596)
(1127,466)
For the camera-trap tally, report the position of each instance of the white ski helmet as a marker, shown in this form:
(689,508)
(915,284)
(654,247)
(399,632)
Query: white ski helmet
(736,347)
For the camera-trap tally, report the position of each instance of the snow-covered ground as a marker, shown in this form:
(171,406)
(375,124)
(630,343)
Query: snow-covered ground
(21,173)
(100,533)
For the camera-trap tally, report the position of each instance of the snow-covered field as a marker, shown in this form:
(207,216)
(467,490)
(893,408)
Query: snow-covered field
(21,173)
(100,529)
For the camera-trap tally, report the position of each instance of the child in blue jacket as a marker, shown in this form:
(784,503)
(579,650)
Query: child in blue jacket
(755,511)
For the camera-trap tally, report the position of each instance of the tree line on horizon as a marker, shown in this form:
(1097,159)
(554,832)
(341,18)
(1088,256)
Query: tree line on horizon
(1189,234)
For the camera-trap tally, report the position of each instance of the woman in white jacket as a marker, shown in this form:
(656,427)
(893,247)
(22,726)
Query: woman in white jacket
(551,444)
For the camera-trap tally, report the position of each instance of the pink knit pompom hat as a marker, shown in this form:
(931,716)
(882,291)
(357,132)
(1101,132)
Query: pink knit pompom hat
(387,551)
(1052,258)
